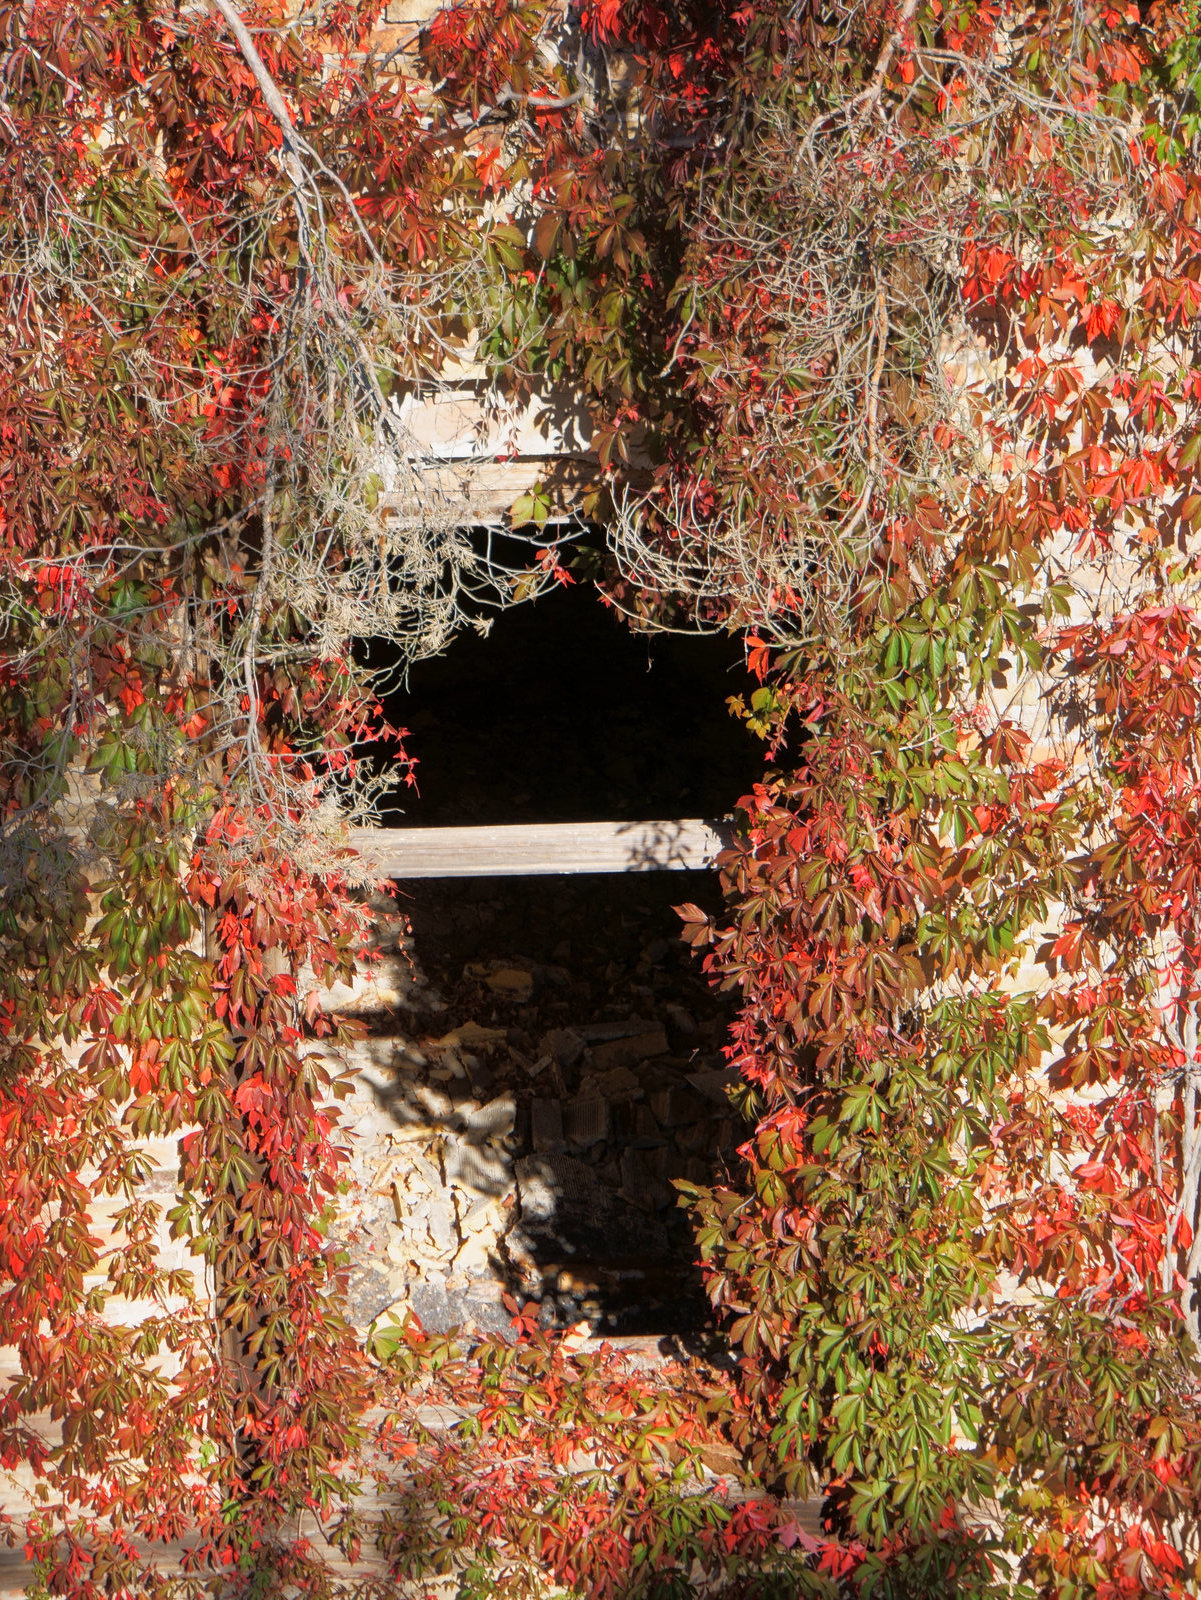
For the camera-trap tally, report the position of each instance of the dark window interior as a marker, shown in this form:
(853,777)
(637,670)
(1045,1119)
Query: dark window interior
(563,714)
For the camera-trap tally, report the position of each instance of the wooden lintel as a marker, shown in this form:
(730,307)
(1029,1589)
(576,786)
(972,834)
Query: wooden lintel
(526,849)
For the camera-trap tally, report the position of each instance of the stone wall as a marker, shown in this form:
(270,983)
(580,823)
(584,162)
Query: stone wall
(503,1144)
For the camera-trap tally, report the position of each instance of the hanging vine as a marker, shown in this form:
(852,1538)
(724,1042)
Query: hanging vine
(887,320)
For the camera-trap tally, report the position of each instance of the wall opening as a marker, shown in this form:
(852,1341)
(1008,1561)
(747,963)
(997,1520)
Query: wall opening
(563,714)
(554,1059)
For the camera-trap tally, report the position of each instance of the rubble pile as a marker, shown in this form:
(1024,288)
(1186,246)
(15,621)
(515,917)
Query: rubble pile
(518,1121)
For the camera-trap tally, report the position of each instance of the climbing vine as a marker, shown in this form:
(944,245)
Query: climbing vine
(961,1267)
(887,318)
(231,243)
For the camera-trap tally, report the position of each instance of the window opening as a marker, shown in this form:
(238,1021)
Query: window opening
(555,1060)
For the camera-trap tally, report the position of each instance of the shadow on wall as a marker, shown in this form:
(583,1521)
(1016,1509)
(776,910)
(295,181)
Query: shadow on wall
(518,1125)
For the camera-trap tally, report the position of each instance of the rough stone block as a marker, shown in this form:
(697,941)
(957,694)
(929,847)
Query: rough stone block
(645,1126)
(586,1121)
(483,1169)
(511,983)
(678,1105)
(537,1189)
(638,1042)
(680,1018)
(697,1137)
(440,1307)
(492,1121)
(619,1084)
(713,1083)
(643,1177)
(564,1044)
(546,1124)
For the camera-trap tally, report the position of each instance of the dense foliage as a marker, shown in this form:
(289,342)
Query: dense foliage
(887,317)
(963,1268)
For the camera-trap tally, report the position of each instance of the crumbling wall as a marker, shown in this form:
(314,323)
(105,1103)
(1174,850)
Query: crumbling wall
(500,1144)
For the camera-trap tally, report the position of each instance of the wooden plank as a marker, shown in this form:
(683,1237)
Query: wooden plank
(528,849)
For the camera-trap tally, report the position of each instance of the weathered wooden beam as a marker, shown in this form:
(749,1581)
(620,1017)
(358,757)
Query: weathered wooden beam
(526,849)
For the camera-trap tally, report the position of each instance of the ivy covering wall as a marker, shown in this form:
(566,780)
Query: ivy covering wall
(887,318)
